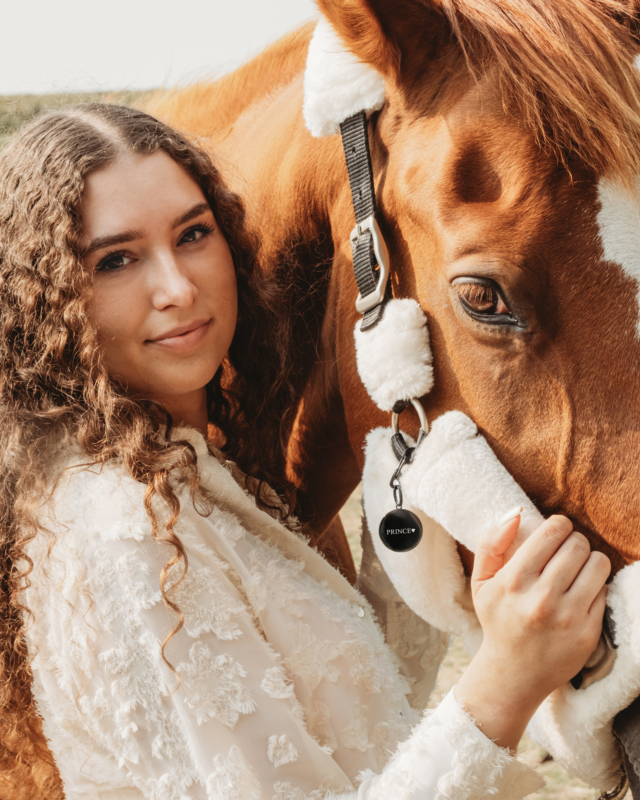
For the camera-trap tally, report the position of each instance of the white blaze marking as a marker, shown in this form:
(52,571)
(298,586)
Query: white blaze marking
(619,222)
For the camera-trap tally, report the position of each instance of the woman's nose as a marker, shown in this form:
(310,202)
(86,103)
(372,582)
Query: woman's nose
(171,282)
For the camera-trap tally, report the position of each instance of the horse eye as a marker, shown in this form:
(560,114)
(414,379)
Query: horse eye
(481,299)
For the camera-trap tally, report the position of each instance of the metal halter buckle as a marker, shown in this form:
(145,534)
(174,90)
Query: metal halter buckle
(364,304)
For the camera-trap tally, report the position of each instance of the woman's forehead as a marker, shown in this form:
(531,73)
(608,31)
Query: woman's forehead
(136,190)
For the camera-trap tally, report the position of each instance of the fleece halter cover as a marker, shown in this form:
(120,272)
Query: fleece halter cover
(455,483)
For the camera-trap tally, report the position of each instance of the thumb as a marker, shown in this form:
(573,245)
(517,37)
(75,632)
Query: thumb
(493,545)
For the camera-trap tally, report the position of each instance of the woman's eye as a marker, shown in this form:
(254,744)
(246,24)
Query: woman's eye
(482,299)
(113,262)
(195,233)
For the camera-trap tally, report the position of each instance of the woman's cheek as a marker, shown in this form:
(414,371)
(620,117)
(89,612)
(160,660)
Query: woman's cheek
(114,314)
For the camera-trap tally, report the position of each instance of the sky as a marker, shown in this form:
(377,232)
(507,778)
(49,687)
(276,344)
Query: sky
(83,45)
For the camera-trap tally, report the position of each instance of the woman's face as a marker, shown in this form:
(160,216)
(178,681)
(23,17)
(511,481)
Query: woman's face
(165,301)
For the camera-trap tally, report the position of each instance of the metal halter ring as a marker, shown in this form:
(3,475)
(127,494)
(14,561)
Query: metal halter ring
(402,451)
(424,423)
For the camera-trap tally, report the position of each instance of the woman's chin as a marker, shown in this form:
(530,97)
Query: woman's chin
(178,387)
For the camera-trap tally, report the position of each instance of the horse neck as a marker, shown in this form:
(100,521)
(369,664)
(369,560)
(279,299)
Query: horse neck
(211,106)
(291,182)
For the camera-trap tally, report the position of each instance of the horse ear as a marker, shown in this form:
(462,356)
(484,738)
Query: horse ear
(360,26)
(356,49)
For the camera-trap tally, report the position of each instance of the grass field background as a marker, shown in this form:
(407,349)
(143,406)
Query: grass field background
(14,111)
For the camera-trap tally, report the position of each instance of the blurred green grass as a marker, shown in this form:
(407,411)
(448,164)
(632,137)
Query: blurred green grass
(18,109)
(560,785)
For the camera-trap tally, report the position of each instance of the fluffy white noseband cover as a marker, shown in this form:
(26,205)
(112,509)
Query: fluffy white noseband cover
(458,488)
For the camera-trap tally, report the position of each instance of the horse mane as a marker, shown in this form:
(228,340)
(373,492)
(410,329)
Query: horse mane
(566,68)
(203,108)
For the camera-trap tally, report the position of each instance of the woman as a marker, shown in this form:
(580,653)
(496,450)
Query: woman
(176,639)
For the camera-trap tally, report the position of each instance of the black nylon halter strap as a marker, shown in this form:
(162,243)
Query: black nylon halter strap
(355,141)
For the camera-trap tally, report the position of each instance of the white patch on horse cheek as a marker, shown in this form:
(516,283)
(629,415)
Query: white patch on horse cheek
(619,223)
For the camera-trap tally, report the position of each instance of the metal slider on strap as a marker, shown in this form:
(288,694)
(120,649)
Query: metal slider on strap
(374,298)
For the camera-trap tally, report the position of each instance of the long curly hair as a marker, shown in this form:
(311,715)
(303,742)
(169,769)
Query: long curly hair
(54,388)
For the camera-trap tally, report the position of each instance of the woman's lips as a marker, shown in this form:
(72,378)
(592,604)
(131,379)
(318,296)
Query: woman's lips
(184,337)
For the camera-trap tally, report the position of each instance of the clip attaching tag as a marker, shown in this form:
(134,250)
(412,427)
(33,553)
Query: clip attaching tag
(400,530)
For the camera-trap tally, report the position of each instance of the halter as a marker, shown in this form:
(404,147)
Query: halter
(370,254)
(371,266)
(392,340)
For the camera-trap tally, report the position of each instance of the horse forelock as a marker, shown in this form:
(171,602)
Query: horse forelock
(565,68)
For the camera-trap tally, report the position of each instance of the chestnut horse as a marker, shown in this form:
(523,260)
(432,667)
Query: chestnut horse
(505,160)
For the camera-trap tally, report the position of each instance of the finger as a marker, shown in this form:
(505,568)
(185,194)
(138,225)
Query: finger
(536,551)
(493,544)
(599,605)
(566,563)
(590,580)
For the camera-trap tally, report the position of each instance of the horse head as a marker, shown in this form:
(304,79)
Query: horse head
(507,172)
(506,159)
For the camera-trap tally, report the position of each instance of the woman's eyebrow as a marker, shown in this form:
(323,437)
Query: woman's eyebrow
(132,235)
(109,241)
(195,211)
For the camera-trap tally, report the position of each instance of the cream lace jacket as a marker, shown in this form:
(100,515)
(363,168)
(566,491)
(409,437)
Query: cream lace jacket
(287,689)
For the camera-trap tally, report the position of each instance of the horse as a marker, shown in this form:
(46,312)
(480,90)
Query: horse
(506,161)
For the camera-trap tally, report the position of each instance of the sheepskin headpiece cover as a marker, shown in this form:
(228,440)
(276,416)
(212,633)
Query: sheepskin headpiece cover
(455,484)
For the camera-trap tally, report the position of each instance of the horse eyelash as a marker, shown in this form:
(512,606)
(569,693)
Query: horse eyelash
(474,292)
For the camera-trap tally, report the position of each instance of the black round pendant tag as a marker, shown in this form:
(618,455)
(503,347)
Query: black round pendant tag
(400,530)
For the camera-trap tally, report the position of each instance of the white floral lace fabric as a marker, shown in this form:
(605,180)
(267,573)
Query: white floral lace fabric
(286,689)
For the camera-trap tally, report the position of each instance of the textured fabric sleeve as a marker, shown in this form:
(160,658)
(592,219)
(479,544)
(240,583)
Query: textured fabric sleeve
(119,721)
(448,758)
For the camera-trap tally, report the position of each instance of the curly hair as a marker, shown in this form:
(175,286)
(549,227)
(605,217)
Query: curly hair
(55,389)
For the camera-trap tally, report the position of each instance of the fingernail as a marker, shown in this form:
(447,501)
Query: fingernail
(510,515)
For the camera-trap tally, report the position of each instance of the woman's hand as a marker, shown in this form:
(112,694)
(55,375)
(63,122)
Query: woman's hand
(541,616)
